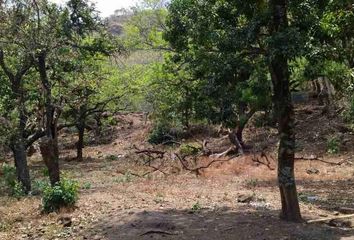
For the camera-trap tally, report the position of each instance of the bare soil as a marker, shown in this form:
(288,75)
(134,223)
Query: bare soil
(236,199)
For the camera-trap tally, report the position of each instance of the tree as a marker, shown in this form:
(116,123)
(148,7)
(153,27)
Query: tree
(201,38)
(35,37)
(279,70)
(268,34)
(84,98)
(16,61)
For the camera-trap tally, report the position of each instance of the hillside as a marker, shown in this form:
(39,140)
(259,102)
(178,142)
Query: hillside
(176,204)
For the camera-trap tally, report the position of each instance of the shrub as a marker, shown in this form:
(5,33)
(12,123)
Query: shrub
(63,194)
(38,187)
(251,183)
(10,182)
(112,158)
(196,207)
(86,185)
(333,145)
(190,149)
(9,175)
(45,172)
(160,133)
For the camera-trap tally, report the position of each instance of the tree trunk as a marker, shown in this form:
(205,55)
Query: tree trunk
(22,171)
(286,120)
(236,135)
(18,144)
(80,142)
(47,148)
(236,138)
(49,145)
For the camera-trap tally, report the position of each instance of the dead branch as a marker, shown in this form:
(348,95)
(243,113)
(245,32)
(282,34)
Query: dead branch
(152,154)
(313,158)
(171,141)
(267,163)
(157,232)
(330,218)
(197,170)
(223,154)
(151,151)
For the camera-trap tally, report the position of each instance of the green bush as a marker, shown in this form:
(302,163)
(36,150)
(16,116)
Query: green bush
(38,187)
(64,194)
(333,145)
(9,175)
(10,183)
(160,133)
(112,158)
(86,185)
(45,172)
(190,149)
(196,207)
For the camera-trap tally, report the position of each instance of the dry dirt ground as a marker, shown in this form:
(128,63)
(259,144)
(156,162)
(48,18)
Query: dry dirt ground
(236,199)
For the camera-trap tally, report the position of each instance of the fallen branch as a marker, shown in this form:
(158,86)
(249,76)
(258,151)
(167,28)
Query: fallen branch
(223,154)
(312,158)
(198,169)
(263,155)
(330,218)
(151,151)
(158,232)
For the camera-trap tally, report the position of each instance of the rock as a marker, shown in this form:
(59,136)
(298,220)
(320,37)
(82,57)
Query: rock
(312,171)
(245,198)
(65,220)
(340,223)
(97,237)
(346,210)
(312,198)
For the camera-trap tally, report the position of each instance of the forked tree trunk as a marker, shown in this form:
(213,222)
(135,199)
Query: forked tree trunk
(49,144)
(236,135)
(279,70)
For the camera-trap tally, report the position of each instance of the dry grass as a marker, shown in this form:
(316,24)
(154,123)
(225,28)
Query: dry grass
(115,204)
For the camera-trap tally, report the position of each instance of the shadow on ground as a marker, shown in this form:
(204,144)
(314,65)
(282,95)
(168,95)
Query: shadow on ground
(330,195)
(222,224)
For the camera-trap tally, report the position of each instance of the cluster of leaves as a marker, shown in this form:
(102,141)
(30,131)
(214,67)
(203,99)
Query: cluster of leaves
(63,194)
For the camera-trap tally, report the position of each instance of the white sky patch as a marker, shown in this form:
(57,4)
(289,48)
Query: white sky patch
(107,7)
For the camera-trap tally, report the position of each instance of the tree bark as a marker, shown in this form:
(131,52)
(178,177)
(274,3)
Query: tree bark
(80,142)
(22,171)
(236,135)
(47,147)
(17,142)
(49,144)
(284,110)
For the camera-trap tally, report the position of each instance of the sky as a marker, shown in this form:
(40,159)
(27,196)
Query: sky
(107,7)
